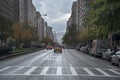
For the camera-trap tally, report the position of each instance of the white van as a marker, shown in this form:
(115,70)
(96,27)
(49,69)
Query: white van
(98,47)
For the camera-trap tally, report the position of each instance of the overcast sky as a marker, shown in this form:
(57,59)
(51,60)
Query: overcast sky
(58,12)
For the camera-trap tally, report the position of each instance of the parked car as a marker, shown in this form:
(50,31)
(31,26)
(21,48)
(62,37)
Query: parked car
(107,54)
(82,49)
(72,47)
(78,47)
(116,58)
(90,52)
(87,49)
(98,47)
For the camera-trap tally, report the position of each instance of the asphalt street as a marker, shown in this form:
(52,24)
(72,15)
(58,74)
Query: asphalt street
(47,65)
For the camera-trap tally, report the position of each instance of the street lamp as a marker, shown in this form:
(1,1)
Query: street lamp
(44,15)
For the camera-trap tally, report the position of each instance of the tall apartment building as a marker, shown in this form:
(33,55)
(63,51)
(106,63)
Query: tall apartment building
(25,11)
(39,25)
(19,11)
(73,20)
(45,29)
(50,33)
(30,12)
(55,37)
(7,8)
(33,16)
(42,28)
(74,12)
(68,24)
(80,10)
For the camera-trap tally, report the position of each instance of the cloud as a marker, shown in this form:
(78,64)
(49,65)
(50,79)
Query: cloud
(58,12)
(43,7)
(61,18)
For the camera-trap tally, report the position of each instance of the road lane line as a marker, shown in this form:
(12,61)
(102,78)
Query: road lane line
(71,65)
(73,71)
(114,71)
(89,72)
(4,69)
(38,57)
(59,70)
(103,72)
(29,71)
(44,71)
(18,69)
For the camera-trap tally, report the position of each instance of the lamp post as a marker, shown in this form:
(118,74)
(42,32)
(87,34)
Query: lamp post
(44,15)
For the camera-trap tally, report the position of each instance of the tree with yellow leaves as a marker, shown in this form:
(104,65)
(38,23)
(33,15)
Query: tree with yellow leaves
(17,32)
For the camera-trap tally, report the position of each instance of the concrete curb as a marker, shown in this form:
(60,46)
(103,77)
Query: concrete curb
(21,53)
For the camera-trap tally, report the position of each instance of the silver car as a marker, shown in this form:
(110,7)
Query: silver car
(107,54)
(116,58)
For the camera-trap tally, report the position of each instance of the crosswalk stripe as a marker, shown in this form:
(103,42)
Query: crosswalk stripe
(4,69)
(114,71)
(16,70)
(29,71)
(59,70)
(89,72)
(103,72)
(73,71)
(44,71)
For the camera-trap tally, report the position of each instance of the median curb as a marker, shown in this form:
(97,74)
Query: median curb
(19,53)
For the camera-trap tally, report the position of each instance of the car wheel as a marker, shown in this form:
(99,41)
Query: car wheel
(103,56)
(95,55)
(112,62)
(119,63)
(90,53)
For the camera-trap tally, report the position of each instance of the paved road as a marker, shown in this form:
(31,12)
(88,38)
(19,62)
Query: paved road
(46,65)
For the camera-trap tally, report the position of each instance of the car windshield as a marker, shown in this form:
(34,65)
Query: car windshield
(118,53)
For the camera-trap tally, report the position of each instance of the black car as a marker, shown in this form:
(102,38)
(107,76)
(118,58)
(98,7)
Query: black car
(78,47)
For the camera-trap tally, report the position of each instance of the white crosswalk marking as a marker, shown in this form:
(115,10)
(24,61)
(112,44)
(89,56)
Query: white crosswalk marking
(44,71)
(89,72)
(103,72)
(59,70)
(4,69)
(73,71)
(16,70)
(29,71)
(114,71)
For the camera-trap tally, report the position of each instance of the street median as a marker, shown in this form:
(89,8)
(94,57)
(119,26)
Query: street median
(17,52)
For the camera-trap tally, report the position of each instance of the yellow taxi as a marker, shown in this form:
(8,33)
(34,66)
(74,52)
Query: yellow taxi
(49,47)
(57,49)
